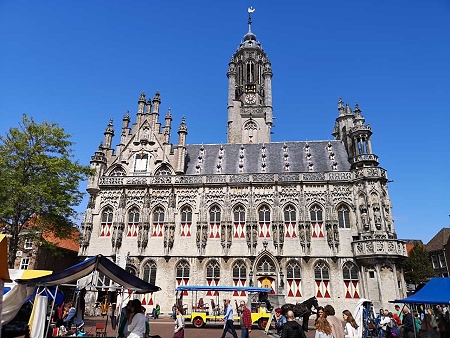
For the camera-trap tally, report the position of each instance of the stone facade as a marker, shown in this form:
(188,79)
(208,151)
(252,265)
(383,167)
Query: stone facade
(306,218)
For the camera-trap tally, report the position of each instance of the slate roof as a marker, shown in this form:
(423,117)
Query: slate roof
(303,156)
(439,241)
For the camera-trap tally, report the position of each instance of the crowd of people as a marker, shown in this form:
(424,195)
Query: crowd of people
(133,322)
(432,322)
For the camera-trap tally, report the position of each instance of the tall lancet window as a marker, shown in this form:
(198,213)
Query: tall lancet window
(290,221)
(214,222)
(186,221)
(239,275)
(158,222)
(264,221)
(133,222)
(107,218)
(239,222)
(250,71)
(316,221)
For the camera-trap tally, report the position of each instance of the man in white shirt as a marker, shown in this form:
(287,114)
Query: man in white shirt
(229,321)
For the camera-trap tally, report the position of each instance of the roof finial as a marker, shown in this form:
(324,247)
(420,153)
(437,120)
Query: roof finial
(250,11)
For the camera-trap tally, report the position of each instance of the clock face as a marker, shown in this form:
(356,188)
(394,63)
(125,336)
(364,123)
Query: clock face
(250,98)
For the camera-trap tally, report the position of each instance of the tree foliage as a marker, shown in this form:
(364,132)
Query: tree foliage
(39,182)
(417,266)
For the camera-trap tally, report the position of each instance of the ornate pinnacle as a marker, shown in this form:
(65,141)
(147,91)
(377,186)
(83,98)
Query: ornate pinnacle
(142,98)
(127,116)
(110,127)
(348,110)
(357,110)
(169,114)
(156,98)
(183,127)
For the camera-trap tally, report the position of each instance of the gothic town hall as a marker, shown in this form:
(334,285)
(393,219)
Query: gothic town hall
(305,218)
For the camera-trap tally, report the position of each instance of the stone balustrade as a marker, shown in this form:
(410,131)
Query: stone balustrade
(236,179)
(372,248)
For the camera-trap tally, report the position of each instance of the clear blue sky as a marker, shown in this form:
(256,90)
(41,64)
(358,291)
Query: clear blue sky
(80,63)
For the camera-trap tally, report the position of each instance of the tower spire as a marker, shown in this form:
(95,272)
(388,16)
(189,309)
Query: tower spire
(250,11)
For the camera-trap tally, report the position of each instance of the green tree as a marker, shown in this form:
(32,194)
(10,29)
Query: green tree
(417,266)
(39,182)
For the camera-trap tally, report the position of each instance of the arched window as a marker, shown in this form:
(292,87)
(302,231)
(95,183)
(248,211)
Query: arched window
(344,216)
(182,274)
(265,265)
(250,129)
(186,221)
(214,222)
(212,275)
(316,220)
(239,275)
(239,222)
(293,278)
(351,280)
(107,219)
(290,221)
(133,222)
(322,278)
(158,222)
(150,272)
(163,171)
(264,221)
(118,171)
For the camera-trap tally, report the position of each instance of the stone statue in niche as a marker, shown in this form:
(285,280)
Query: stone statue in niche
(329,234)
(248,235)
(222,235)
(198,236)
(120,230)
(166,236)
(229,235)
(336,234)
(114,235)
(308,235)
(255,235)
(275,234)
(364,220)
(204,235)
(171,236)
(281,234)
(145,235)
(301,234)
(377,216)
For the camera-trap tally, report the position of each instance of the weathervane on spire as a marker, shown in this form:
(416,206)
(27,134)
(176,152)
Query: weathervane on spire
(250,11)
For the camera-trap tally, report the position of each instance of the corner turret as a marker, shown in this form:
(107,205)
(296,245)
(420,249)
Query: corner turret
(350,129)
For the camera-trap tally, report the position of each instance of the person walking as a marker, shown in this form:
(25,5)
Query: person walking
(323,328)
(292,329)
(179,323)
(228,320)
(336,324)
(245,319)
(408,323)
(351,327)
(280,320)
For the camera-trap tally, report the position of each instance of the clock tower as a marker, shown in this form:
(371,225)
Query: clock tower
(249,92)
